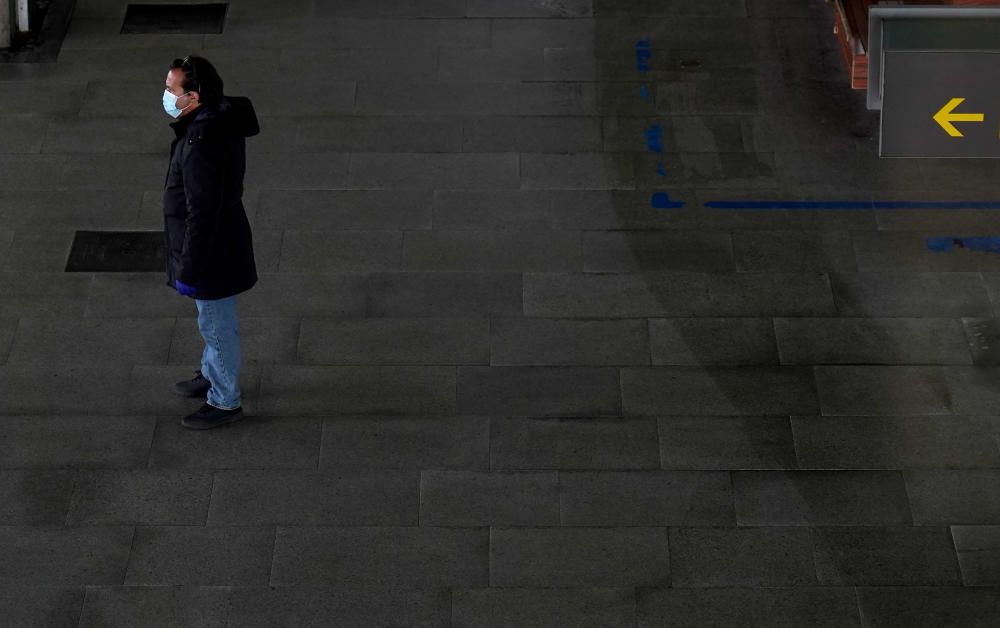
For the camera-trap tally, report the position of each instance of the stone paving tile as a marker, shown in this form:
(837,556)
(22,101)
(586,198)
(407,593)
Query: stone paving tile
(73,341)
(54,555)
(542,557)
(669,250)
(911,294)
(389,64)
(328,210)
(310,390)
(434,171)
(761,251)
(527,33)
(415,98)
(775,607)
(122,496)
(675,294)
(442,293)
(35,496)
(718,391)
(340,251)
(530,134)
(404,134)
(562,98)
(879,556)
(726,443)
(156,606)
(198,555)
(978,550)
(945,497)
(75,442)
(667,498)
(817,498)
(44,294)
(539,390)
(316,606)
(382,556)
(533,250)
(8,327)
(522,606)
(301,497)
(910,442)
(929,607)
(712,341)
(573,443)
(983,336)
(261,442)
(70,389)
(385,442)
(741,557)
(547,342)
(972,389)
(553,209)
(871,341)
(34,252)
(453,498)
(327,170)
(50,606)
(422,340)
(883,390)
(23,133)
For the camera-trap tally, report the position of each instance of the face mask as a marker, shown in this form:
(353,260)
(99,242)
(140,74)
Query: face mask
(170,104)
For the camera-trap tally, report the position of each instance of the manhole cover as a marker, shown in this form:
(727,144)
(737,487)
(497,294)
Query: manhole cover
(117,252)
(174,18)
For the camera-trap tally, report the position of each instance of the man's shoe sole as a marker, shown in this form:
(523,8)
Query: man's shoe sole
(226,421)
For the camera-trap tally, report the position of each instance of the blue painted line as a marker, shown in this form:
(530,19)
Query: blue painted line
(662,200)
(853,205)
(644,92)
(643,54)
(654,138)
(661,169)
(976,243)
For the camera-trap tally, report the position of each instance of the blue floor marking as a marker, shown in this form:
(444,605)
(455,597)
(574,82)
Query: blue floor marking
(654,138)
(941,244)
(662,200)
(853,204)
(654,133)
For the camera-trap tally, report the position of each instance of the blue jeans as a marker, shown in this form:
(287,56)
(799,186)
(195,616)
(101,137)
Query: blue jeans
(220,361)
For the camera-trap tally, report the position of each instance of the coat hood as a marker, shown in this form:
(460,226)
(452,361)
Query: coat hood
(238,116)
(234,115)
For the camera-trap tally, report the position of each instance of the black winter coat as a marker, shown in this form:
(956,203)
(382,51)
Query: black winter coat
(208,238)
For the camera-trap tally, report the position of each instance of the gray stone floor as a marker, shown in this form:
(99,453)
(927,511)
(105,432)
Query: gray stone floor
(487,383)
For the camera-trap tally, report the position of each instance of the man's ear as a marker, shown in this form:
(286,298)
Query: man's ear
(195,96)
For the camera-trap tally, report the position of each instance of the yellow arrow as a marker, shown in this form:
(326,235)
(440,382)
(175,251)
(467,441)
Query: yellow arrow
(945,117)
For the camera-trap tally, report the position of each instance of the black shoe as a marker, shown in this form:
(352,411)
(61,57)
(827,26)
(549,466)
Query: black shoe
(197,387)
(209,416)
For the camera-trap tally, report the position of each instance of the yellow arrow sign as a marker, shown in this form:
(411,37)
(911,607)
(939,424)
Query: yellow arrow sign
(945,117)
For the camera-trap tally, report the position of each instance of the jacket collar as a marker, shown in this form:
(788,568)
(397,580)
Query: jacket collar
(181,125)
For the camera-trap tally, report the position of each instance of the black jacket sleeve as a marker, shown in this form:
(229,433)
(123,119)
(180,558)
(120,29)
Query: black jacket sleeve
(203,170)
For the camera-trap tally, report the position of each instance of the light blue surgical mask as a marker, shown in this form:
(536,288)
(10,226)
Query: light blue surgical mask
(170,104)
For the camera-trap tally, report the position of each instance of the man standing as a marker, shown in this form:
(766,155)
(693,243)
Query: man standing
(208,239)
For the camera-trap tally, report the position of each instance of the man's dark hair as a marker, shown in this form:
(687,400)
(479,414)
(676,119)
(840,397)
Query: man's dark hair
(200,76)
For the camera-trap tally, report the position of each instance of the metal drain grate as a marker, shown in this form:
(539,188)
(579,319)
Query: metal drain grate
(117,252)
(174,18)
